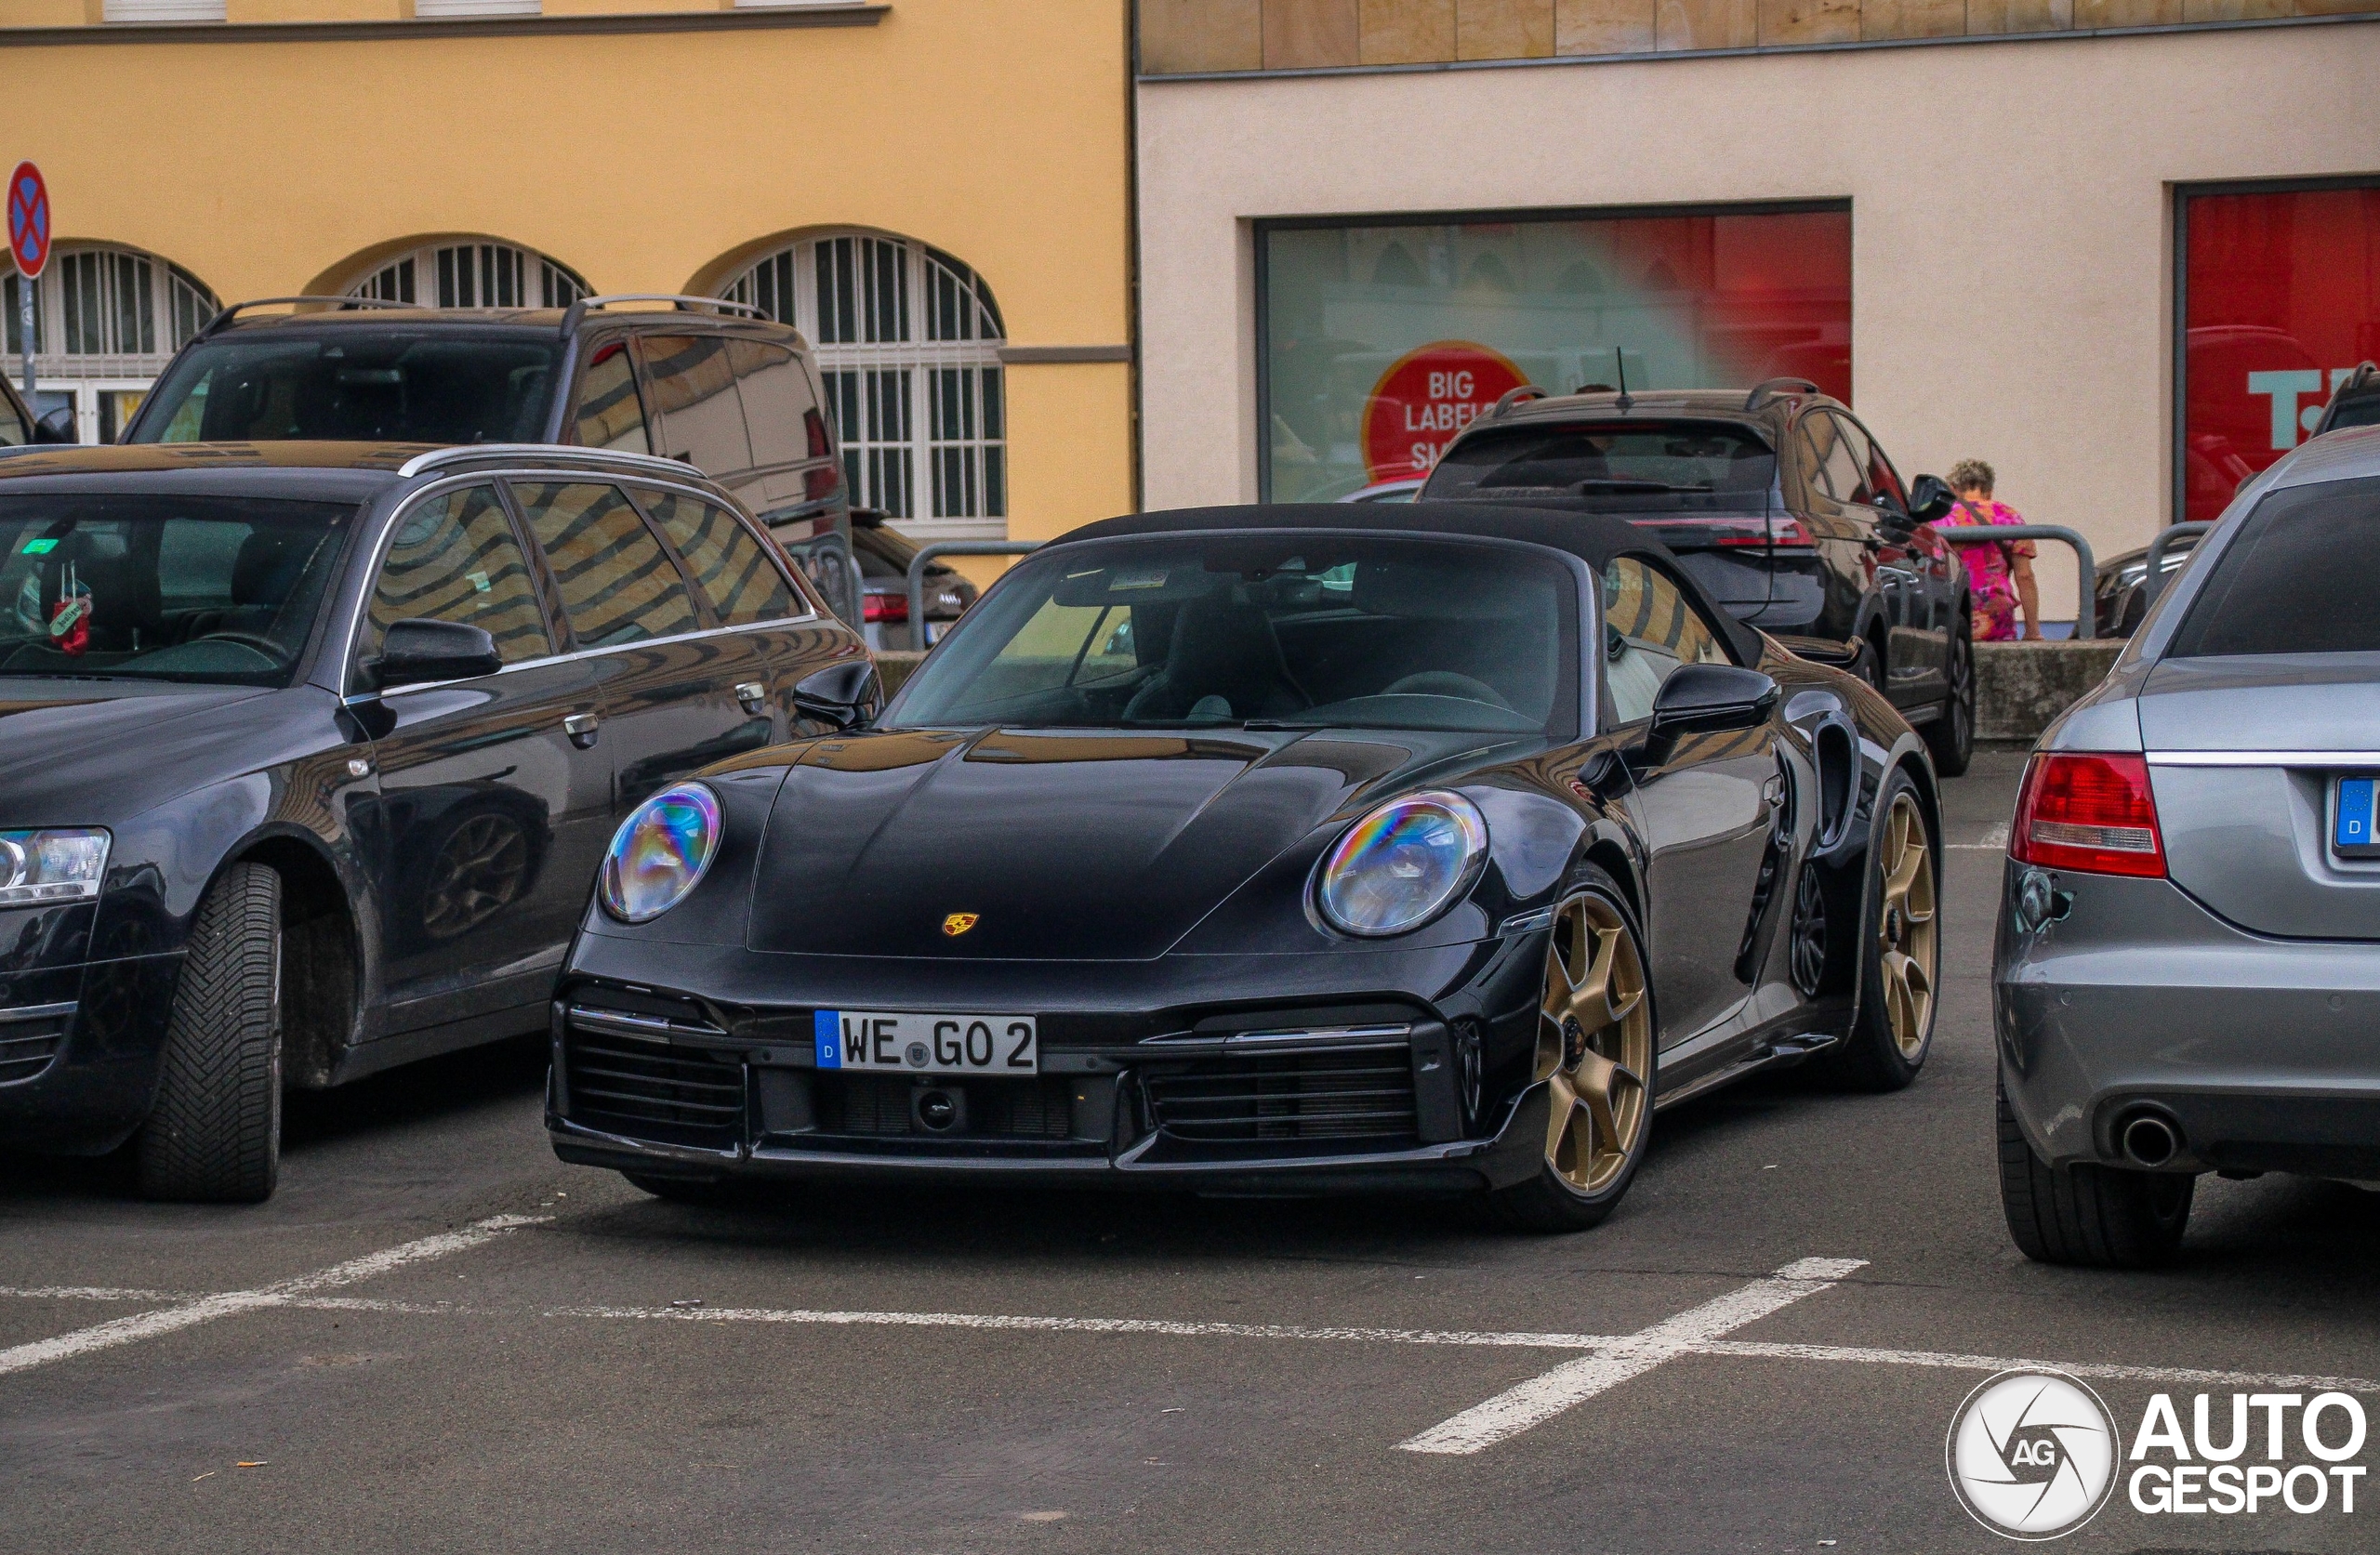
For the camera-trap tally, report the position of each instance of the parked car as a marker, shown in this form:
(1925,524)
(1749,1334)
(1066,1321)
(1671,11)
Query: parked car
(1780,504)
(1269,849)
(884,556)
(2354,402)
(712,384)
(308,753)
(20,429)
(2118,585)
(2190,917)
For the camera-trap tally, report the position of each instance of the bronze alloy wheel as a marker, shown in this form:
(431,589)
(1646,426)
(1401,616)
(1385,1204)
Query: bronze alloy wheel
(1594,1045)
(1908,942)
(477,874)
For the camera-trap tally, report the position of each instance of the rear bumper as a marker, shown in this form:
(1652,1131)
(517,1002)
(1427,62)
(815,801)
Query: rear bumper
(80,1049)
(2265,1054)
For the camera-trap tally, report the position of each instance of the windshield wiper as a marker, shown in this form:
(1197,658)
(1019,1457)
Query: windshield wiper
(1651,487)
(1276,725)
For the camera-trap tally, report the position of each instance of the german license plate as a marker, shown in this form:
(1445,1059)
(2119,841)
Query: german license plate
(932,1043)
(2352,821)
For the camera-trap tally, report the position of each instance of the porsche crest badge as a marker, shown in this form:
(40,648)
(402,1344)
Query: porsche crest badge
(959,923)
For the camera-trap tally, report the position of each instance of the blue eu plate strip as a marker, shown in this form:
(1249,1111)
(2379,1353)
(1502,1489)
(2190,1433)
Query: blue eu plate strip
(2354,826)
(828,1024)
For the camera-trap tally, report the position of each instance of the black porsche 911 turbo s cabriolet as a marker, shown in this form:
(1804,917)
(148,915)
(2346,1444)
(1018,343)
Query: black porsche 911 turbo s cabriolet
(1265,849)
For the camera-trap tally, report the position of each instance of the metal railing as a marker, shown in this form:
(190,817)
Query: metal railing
(838,578)
(2086,614)
(924,558)
(2153,581)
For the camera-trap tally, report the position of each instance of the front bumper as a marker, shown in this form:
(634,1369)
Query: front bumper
(2265,1053)
(1233,1073)
(80,1049)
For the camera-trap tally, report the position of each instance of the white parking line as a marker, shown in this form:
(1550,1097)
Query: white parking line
(207,1309)
(2178,1375)
(1094,1325)
(1541,1398)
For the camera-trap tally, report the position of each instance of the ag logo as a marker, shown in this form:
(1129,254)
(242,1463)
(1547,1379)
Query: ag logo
(2032,1454)
(959,923)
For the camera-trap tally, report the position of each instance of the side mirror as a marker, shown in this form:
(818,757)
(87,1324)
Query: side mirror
(1707,699)
(56,426)
(844,696)
(416,650)
(1929,499)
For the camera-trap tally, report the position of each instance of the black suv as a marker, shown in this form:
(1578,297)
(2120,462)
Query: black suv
(709,383)
(310,753)
(1779,501)
(2355,402)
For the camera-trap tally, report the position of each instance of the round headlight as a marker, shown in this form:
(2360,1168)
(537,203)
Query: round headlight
(660,853)
(1402,866)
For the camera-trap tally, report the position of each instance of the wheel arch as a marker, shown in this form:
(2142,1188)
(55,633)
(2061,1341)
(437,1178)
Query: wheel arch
(323,955)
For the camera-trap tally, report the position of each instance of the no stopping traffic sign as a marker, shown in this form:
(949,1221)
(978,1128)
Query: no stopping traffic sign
(28,219)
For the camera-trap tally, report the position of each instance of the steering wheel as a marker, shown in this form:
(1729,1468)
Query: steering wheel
(1445,682)
(262,644)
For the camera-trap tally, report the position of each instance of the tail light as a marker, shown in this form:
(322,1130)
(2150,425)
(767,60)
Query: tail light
(2091,814)
(885,607)
(820,483)
(814,426)
(1747,533)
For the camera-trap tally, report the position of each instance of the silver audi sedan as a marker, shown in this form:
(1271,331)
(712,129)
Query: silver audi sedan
(2186,978)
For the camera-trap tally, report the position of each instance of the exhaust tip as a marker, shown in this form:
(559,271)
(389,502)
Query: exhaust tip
(2148,1139)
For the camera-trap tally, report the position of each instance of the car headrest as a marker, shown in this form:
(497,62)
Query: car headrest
(268,566)
(1451,589)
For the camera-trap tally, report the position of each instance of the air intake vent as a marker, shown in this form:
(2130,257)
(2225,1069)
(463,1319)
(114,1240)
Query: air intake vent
(29,1038)
(1364,1094)
(880,1104)
(650,1089)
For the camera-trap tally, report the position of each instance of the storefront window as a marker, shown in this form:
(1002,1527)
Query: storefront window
(2281,300)
(1381,342)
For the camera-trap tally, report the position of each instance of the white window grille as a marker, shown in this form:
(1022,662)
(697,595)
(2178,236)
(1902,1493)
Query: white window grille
(106,321)
(134,11)
(473,276)
(908,343)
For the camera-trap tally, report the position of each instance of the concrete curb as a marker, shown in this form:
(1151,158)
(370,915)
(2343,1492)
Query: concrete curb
(2021,687)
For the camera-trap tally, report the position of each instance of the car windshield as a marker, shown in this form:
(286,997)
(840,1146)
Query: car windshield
(1633,465)
(356,384)
(2298,578)
(1283,631)
(215,589)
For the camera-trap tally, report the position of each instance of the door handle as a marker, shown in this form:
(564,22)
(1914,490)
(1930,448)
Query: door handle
(753,694)
(581,728)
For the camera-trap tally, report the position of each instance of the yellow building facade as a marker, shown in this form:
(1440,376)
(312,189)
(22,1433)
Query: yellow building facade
(210,151)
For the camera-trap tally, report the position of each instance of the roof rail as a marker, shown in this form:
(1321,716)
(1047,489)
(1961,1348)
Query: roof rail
(226,315)
(2358,379)
(466,453)
(1512,397)
(579,309)
(1777,387)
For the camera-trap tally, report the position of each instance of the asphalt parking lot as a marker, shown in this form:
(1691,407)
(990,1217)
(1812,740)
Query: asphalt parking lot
(437,1337)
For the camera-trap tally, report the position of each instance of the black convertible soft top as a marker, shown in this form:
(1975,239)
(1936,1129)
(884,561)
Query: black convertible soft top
(1594,538)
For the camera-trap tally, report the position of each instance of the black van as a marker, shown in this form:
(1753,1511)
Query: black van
(713,384)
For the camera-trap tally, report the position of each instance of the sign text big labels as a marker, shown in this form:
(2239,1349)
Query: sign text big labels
(1424,399)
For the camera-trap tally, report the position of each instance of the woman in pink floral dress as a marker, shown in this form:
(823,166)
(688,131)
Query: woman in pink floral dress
(1999,577)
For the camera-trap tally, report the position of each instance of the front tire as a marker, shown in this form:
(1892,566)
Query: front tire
(214,1135)
(1596,1050)
(2088,1216)
(1951,736)
(1900,964)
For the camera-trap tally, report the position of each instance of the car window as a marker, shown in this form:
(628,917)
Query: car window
(617,583)
(778,405)
(694,395)
(743,586)
(172,588)
(454,558)
(14,433)
(354,383)
(1650,628)
(1839,464)
(610,415)
(2297,579)
(1882,481)
(1629,466)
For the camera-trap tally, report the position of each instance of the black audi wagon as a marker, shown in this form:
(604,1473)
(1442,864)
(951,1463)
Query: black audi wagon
(1779,501)
(308,752)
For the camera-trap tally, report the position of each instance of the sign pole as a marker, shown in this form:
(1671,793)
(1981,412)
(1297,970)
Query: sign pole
(25,332)
(28,233)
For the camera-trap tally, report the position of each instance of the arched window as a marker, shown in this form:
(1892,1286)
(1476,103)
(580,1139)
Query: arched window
(105,322)
(471,275)
(908,342)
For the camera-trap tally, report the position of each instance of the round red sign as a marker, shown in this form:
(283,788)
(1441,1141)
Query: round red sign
(1424,398)
(28,219)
